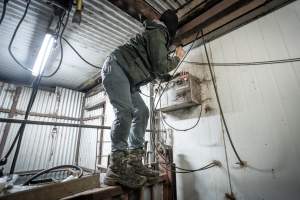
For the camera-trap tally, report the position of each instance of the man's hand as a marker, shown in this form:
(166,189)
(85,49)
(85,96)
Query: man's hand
(180,52)
(165,77)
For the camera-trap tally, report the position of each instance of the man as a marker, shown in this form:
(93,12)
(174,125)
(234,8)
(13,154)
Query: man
(132,65)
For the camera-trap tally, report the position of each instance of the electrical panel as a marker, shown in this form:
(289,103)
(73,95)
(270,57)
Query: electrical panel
(182,92)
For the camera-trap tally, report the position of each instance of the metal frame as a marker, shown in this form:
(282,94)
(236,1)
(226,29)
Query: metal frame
(19,121)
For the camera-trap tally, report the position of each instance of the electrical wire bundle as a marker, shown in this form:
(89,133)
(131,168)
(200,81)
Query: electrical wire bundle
(242,163)
(177,169)
(239,64)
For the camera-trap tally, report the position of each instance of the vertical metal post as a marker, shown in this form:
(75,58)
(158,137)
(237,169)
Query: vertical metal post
(11,114)
(171,173)
(152,123)
(80,131)
(101,136)
(20,133)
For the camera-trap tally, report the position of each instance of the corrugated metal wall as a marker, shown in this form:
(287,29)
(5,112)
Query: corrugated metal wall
(261,105)
(47,146)
(43,146)
(90,138)
(103,28)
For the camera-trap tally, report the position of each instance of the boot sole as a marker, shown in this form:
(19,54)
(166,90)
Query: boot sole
(110,182)
(114,182)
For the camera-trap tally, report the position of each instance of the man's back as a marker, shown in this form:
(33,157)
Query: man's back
(145,56)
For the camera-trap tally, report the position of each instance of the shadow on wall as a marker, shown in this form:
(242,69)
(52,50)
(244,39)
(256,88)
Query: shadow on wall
(188,184)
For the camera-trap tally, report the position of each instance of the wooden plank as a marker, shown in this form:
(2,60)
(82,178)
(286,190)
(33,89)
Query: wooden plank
(56,190)
(97,193)
(184,10)
(241,16)
(48,115)
(136,7)
(80,131)
(205,16)
(99,162)
(107,192)
(221,22)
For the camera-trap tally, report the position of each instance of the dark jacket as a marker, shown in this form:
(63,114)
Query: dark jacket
(145,57)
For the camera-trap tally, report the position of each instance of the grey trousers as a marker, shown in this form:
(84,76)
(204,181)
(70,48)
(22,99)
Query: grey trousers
(131,113)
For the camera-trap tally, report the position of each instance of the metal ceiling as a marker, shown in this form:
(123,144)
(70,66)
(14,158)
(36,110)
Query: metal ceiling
(162,5)
(102,29)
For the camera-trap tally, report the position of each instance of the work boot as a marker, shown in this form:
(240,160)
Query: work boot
(120,173)
(135,160)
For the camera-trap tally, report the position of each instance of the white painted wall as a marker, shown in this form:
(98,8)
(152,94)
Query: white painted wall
(261,105)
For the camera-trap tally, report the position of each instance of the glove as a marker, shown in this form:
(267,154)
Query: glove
(165,77)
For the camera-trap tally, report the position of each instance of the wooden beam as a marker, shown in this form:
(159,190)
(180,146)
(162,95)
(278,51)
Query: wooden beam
(80,131)
(231,21)
(56,190)
(11,113)
(218,8)
(138,9)
(101,137)
(97,193)
(193,4)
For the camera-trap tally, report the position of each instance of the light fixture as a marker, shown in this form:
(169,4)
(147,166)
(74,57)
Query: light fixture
(43,55)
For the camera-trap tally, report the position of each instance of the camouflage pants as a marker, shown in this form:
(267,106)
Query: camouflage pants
(131,113)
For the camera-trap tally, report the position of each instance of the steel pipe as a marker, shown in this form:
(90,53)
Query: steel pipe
(19,121)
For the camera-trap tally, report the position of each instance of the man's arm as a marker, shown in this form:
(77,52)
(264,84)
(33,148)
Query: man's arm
(158,53)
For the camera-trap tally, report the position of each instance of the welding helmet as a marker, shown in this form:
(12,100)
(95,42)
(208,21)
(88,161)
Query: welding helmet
(170,19)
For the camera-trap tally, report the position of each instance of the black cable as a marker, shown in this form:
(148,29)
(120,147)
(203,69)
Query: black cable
(78,54)
(3,161)
(20,133)
(268,62)
(59,25)
(174,72)
(54,168)
(153,110)
(180,168)
(185,171)
(143,94)
(212,164)
(179,64)
(3,11)
(219,102)
(186,129)
(61,47)
(14,35)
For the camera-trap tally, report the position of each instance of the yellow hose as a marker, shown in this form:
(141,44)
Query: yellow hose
(79,5)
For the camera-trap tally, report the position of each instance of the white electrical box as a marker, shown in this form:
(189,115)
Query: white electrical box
(182,92)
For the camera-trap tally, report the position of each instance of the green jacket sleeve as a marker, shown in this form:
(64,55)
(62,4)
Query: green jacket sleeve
(158,53)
